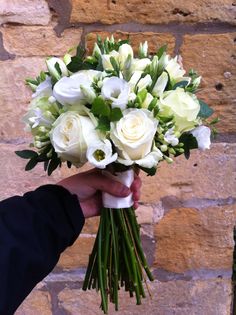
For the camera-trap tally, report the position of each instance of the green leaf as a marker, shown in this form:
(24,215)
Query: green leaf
(45,165)
(77,64)
(152,104)
(100,107)
(190,143)
(161,51)
(80,52)
(149,171)
(53,164)
(31,164)
(214,121)
(26,154)
(57,67)
(181,84)
(116,114)
(103,124)
(205,110)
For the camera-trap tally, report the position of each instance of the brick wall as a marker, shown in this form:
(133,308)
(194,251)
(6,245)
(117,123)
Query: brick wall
(189,209)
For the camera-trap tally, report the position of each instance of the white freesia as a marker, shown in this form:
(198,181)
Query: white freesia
(143,50)
(170,137)
(147,100)
(140,64)
(100,154)
(76,89)
(160,84)
(144,82)
(43,89)
(37,117)
(133,135)
(71,136)
(106,63)
(203,136)
(51,63)
(116,90)
(125,51)
(183,105)
(134,79)
(174,68)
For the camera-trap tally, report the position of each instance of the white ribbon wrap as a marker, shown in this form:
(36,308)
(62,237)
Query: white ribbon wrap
(110,201)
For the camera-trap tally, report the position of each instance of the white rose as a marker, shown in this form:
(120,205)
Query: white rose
(71,136)
(51,62)
(183,105)
(76,89)
(116,90)
(133,136)
(203,137)
(99,154)
(44,89)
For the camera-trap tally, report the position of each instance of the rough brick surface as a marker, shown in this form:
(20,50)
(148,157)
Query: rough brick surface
(209,174)
(169,298)
(37,303)
(189,239)
(15,96)
(38,40)
(29,12)
(151,12)
(214,57)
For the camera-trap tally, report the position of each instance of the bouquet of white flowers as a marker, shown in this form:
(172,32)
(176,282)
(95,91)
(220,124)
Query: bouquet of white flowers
(120,113)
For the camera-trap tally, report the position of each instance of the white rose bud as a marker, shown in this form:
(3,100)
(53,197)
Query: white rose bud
(203,137)
(175,69)
(52,69)
(71,136)
(140,64)
(143,49)
(183,105)
(99,154)
(106,63)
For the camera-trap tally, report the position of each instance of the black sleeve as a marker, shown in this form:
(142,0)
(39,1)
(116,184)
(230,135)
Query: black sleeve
(34,230)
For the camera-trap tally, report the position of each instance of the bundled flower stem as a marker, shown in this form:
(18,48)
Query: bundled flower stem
(117,258)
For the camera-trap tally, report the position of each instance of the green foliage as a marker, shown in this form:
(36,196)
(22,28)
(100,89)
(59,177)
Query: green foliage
(116,114)
(161,51)
(189,143)
(27,154)
(103,124)
(205,110)
(181,84)
(149,171)
(100,107)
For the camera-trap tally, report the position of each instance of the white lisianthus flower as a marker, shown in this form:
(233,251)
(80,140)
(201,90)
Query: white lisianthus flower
(160,84)
(144,82)
(71,136)
(51,63)
(140,64)
(116,90)
(44,89)
(99,154)
(174,68)
(76,89)
(203,137)
(133,136)
(183,105)
(170,137)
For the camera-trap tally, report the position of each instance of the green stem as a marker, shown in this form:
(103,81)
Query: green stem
(115,253)
(100,269)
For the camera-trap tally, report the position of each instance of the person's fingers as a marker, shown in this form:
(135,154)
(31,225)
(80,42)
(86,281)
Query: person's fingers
(106,184)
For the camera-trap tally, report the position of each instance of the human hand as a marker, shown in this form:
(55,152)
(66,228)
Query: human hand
(88,186)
